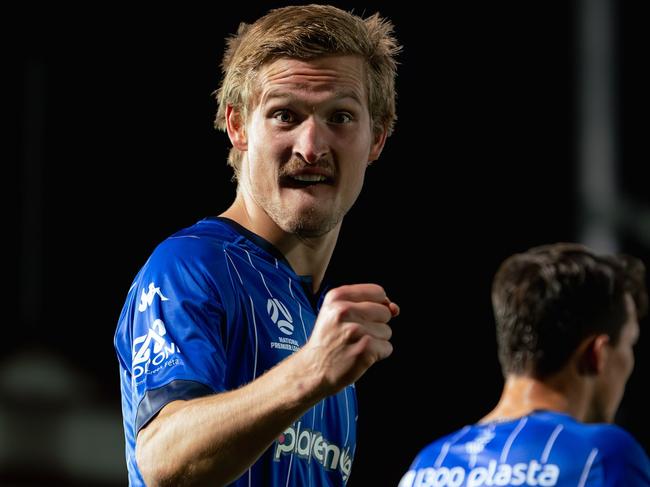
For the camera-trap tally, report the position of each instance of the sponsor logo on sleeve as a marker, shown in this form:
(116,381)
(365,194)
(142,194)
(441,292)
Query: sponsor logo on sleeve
(153,352)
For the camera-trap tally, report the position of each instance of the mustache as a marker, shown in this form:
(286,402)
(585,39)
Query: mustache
(297,163)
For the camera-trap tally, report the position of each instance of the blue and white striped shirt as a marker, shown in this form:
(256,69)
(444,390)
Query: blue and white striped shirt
(214,307)
(543,449)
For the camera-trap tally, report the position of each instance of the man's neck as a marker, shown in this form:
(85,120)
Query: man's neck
(524,394)
(307,256)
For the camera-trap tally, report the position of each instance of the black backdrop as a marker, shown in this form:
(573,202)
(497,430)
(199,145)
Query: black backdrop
(481,165)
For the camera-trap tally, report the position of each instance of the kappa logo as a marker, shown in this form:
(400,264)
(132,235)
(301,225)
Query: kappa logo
(274,308)
(146,298)
(477,445)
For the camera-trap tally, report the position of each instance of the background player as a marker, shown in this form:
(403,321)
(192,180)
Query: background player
(567,321)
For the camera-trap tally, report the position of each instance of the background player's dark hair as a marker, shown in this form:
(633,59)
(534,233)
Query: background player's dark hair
(548,299)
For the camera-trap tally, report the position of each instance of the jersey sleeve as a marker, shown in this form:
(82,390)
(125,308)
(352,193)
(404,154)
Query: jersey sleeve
(423,460)
(624,461)
(170,335)
(635,469)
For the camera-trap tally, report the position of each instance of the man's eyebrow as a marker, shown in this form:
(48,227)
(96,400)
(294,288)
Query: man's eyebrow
(286,95)
(272,95)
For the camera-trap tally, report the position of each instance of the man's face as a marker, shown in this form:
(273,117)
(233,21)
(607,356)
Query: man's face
(618,367)
(308,142)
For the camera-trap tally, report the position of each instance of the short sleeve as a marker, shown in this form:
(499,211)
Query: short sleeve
(169,338)
(624,461)
(636,471)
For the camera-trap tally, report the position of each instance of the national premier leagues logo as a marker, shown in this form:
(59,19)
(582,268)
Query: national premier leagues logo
(280,315)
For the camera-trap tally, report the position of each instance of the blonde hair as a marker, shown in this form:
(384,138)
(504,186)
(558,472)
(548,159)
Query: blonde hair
(308,32)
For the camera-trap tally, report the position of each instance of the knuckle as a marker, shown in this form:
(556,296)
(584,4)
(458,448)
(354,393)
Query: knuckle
(386,314)
(350,331)
(341,311)
(334,295)
(378,288)
(388,332)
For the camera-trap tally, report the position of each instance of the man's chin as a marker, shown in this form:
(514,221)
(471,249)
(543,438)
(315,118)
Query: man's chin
(311,226)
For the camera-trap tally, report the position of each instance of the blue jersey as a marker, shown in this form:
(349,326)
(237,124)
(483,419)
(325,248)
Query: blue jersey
(543,449)
(214,307)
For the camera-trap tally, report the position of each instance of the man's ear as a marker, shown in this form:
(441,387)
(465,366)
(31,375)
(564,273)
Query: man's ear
(593,353)
(236,128)
(377,145)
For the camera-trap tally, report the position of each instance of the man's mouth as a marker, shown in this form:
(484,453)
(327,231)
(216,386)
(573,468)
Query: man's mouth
(305,180)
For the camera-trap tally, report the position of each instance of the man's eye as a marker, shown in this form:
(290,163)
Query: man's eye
(341,117)
(284,116)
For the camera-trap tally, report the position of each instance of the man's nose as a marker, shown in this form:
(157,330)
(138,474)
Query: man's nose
(311,143)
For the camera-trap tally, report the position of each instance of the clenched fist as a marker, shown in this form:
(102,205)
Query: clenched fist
(351,334)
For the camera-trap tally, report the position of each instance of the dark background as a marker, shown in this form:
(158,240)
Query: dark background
(113,150)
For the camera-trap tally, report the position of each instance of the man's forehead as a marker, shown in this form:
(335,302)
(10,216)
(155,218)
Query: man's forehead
(346,62)
(340,76)
(294,93)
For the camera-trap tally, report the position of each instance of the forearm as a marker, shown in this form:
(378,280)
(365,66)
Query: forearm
(212,440)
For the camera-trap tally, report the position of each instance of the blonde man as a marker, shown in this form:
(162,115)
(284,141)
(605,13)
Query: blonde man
(237,365)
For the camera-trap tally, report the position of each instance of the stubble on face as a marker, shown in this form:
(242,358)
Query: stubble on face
(308,210)
(312,221)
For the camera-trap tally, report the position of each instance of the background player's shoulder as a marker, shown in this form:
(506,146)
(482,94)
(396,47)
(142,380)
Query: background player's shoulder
(622,456)
(604,436)
(612,440)
(614,448)
(437,448)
